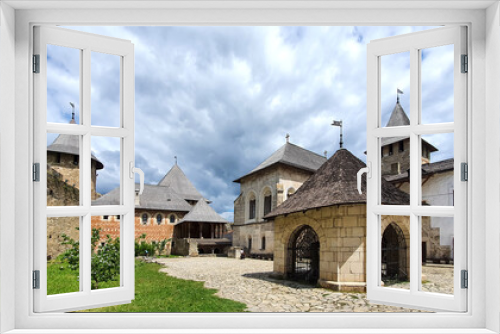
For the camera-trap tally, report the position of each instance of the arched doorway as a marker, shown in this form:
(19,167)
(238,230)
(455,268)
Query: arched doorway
(303,255)
(394,266)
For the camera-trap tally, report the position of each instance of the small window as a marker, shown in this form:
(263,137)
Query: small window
(172,219)
(144,218)
(391,152)
(76,159)
(251,209)
(401,146)
(117,217)
(58,158)
(267,204)
(395,168)
(159,219)
(105,217)
(263,243)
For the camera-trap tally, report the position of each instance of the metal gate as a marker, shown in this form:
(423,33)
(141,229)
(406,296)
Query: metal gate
(303,255)
(394,267)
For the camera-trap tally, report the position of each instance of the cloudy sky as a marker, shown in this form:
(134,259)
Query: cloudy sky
(222,99)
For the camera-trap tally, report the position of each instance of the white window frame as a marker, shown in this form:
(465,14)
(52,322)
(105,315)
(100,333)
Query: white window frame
(413,43)
(16,109)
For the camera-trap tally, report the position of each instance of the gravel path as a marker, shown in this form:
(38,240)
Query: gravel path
(248,281)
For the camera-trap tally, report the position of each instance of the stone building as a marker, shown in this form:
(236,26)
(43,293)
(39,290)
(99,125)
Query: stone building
(162,210)
(437,185)
(263,189)
(320,232)
(63,188)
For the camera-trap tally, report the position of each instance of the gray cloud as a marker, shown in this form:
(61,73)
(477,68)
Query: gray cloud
(221,99)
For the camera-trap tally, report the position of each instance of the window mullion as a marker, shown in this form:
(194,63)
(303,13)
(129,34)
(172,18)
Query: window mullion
(415,166)
(85,176)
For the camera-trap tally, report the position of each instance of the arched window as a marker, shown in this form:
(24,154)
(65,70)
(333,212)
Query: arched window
(159,218)
(144,218)
(268,200)
(252,206)
(290,192)
(172,219)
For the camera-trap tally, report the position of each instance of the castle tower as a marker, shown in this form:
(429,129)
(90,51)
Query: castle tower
(396,150)
(63,157)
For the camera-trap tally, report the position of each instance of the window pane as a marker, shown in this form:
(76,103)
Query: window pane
(395,89)
(105,89)
(105,169)
(395,164)
(63,84)
(437,84)
(437,254)
(395,251)
(63,255)
(437,169)
(63,170)
(105,260)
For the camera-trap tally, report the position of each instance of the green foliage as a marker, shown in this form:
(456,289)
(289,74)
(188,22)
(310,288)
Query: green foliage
(105,258)
(142,248)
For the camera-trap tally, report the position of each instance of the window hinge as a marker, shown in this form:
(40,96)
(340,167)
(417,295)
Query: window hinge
(36,279)
(464,171)
(465,279)
(465,64)
(36,63)
(36,172)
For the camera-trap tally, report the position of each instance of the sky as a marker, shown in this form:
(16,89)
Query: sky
(222,99)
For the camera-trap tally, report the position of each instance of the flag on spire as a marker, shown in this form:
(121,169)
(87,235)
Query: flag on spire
(400,91)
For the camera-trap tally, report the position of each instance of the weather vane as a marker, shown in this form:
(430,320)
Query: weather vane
(72,110)
(399,91)
(339,123)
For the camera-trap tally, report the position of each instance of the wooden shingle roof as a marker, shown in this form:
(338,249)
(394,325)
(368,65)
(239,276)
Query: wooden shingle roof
(203,213)
(335,183)
(176,180)
(291,155)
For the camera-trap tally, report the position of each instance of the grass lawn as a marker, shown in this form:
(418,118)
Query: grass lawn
(154,292)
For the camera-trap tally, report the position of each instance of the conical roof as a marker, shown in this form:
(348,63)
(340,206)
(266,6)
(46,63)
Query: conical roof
(335,183)
(69,144)
(203,213)
(399,118)
(179,183)
(291,155)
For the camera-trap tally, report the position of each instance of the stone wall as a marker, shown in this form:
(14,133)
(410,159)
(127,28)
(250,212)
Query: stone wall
(280,179)
(184,247)
(60,193)
(255,232)
(64,164)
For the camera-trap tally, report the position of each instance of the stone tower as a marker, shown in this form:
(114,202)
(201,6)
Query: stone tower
(396,150)
(63,161)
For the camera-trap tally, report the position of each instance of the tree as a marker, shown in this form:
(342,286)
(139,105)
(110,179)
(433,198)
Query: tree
(105,258)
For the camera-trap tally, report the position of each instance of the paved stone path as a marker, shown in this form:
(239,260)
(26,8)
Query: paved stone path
(248,281)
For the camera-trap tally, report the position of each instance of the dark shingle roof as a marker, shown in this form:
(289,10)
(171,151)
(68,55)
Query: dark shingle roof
(70,144)
(427,169)
(335,183)
(179,183)
(154,198)
(202,212)
(291,155)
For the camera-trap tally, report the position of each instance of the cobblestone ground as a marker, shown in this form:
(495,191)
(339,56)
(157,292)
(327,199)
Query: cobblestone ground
(248,281)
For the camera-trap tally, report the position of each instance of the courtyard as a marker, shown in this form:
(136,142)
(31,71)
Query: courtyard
(249,281)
